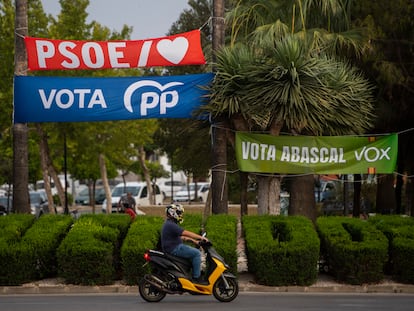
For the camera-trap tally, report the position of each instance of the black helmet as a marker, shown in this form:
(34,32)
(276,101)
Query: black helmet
(176,212)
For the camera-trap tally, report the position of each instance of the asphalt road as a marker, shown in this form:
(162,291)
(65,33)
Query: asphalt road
(245,301)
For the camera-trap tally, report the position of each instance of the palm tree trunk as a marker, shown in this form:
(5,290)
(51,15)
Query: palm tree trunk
(302,200)
(20,131)
(356,211)
(219,182)
(386,194)
(244,178)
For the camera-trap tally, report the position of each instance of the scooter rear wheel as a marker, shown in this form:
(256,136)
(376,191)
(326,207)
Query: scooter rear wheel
(149,292)
(223,293)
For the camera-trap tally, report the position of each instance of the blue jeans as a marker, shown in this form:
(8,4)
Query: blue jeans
(188,252)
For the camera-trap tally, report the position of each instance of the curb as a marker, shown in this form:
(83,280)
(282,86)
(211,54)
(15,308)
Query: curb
(246,284)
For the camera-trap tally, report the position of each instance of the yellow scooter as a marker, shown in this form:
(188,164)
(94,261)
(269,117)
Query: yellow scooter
(172,275)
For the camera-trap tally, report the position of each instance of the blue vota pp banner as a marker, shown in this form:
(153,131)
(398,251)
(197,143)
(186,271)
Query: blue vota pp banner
(64,99)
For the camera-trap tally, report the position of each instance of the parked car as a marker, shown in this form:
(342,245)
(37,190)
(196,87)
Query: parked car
(6,205)
(83,197)
(188,192)
(166,185)
(38,202)
(327,191)
(138,190)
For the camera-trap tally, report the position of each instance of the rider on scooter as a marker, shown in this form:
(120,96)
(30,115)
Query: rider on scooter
(172,237)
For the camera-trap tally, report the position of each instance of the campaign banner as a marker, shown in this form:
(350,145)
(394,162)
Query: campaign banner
(262,153)
(177,50)
(68,99)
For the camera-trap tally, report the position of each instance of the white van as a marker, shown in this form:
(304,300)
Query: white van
(138,190)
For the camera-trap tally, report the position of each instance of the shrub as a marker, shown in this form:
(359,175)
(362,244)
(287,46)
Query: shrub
(15,256)
(355,250)
(86,255)
(222,232)
(143,234)
(400,234)
(44,237)
(281,250)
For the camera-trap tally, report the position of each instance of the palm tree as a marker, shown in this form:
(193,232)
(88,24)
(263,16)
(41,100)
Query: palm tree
(289,85)
(321,30)
(20,131)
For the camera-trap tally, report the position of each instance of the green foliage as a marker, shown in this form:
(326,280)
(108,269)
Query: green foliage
(44,237)
(56,199)
(222,232)
(281,250)
(355,250)
(143,234)
(87,254)
(192,222)
(14,226)
(16,257)
(400,234)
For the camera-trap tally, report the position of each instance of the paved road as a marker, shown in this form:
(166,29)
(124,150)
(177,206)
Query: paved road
(245,301)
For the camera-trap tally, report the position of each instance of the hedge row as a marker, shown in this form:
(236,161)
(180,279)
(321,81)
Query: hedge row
(143,235)
(28,248)
(355,250)
(98,249)
(281,250)
(400,233)
(89,254)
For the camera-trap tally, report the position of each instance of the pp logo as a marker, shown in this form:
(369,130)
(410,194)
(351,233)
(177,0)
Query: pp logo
(149,100)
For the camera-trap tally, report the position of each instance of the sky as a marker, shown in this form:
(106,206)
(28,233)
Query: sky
(149,18)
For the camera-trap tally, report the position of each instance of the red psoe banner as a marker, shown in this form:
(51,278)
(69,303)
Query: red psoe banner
(177,50)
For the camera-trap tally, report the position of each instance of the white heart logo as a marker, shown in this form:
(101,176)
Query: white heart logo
(173,50)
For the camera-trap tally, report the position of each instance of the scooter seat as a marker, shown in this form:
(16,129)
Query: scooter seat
(178,259)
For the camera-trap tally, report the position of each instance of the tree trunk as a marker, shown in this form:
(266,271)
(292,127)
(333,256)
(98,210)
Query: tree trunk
(147,175)
(219,183)
(268,201)
(44,155)
(20,132)
(104,176)
(302,199)
(244,179)
(386,194)
(356,211)
(58,184)
(409,194)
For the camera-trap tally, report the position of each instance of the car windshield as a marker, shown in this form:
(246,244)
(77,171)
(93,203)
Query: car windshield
(84,192)
(119,191)
(3,200)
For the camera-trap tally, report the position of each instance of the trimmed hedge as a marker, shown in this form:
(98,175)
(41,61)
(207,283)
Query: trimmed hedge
(222,232)
(15,255)
(355,250)
(87,255)
(143,234)
(44,237)
(400,233)
(281,250)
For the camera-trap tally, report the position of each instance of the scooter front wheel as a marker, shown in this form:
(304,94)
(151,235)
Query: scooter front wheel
(226,289)
(149,292)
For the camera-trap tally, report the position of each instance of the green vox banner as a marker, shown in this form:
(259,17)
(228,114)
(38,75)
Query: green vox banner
(263,153)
